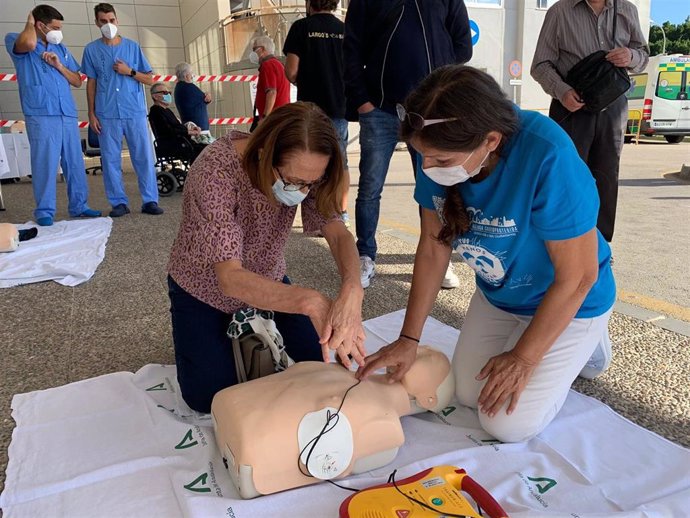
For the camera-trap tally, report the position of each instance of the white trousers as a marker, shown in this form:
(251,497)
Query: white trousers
(489,331)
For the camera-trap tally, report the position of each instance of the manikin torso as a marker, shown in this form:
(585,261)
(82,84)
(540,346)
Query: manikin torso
(257,422)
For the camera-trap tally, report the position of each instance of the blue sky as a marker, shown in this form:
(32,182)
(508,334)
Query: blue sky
(674,11)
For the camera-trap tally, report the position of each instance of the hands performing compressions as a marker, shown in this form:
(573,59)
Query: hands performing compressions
(339,325)
(397,357)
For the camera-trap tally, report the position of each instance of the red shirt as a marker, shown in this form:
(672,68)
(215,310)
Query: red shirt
(272,76)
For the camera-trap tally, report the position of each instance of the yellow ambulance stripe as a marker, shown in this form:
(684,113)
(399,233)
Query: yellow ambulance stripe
(674,67)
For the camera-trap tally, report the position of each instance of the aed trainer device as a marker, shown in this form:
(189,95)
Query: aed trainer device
(435,492)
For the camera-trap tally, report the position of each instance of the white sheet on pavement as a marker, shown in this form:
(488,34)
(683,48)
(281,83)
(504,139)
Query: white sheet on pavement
(67,252)
(126,445)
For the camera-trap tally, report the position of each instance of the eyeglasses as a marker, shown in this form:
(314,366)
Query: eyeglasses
(297,186)
(416,120)
(164,92)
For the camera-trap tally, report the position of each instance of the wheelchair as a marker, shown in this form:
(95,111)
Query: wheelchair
(173,159)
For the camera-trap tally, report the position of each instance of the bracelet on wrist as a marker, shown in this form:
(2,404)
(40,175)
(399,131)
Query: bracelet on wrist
(409,338)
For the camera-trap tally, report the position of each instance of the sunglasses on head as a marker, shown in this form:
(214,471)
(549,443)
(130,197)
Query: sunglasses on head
(416,121)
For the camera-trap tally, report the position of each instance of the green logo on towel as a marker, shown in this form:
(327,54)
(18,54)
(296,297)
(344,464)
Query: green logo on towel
(543,489)
(187,441)
(160,386)
(448,410)
(201,479)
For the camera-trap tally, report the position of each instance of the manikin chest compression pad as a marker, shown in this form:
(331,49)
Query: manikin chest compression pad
(325,455)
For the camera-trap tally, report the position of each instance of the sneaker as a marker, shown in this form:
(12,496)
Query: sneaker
(451,280)
(346,218)
(45,221)
(119,210)
(89,213)
(151,208)
(367,269)
(599,361)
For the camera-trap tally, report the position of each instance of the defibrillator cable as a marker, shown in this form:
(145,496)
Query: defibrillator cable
(331,422)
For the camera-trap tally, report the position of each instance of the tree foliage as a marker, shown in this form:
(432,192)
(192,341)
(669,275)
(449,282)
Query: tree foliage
(677,38)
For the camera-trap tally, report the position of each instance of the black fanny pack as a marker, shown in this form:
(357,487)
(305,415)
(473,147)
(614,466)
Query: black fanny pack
(596,81)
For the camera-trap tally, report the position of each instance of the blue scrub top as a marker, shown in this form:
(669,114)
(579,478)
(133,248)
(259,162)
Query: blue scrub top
(42,89)
(539,191)
(117,96)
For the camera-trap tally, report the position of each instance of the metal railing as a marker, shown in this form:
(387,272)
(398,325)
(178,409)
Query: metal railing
(273,19)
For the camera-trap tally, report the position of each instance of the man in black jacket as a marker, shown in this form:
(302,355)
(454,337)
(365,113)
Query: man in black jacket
(389,47)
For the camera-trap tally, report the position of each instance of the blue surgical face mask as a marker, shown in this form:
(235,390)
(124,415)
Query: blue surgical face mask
(167,98)
(289,198)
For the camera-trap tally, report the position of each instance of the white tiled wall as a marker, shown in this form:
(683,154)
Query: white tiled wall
(205,52)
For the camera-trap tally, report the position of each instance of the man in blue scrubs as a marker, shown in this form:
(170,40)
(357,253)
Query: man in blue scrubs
(116,69)
(45,71)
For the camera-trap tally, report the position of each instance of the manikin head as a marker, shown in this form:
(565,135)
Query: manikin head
(429,382)
(9,237)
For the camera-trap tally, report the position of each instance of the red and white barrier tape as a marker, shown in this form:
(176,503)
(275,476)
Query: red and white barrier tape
(213,122)
(223,78)
(231,120)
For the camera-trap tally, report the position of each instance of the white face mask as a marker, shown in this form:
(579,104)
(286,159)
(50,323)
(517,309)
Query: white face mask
(109,30)
(289,198)
(455,174)
(54,37)
(254,57)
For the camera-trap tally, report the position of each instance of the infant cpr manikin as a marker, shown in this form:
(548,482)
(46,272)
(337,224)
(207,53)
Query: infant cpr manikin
(264,426)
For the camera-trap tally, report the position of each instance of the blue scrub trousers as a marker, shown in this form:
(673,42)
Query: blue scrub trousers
(54,140)
(136,131)
(203,351)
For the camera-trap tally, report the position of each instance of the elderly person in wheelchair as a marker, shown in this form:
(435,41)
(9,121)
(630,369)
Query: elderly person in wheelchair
(175,143)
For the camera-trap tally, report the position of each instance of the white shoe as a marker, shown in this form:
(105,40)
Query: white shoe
(451,280)
(367,269)
(599,361)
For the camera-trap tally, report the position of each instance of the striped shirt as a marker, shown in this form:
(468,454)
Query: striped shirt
(572,31)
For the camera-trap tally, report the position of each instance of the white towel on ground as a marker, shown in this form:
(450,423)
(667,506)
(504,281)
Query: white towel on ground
(67,252)
(126,445)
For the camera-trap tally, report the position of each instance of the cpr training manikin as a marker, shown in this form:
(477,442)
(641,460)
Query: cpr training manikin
(319,413)
(9,237)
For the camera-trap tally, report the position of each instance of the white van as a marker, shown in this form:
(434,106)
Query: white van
(662,94)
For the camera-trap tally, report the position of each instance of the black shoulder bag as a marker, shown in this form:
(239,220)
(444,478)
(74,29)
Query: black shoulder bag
(596,81)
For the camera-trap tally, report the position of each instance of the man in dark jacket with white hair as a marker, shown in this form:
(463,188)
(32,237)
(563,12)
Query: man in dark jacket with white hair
(390,46)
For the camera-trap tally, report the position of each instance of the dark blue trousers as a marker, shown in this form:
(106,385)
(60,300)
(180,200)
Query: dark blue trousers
(203,351)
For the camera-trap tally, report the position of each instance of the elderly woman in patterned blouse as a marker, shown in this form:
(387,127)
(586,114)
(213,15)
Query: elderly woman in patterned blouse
(240,200)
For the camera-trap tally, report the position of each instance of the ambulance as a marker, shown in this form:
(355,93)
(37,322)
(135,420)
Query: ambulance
(661,94)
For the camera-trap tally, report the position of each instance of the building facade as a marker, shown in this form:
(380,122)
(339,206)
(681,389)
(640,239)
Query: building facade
(215,37)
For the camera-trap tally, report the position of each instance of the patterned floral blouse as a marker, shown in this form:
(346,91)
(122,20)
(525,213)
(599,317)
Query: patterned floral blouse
(225,218)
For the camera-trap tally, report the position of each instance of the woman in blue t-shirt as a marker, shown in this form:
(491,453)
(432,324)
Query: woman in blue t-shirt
(506,190)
